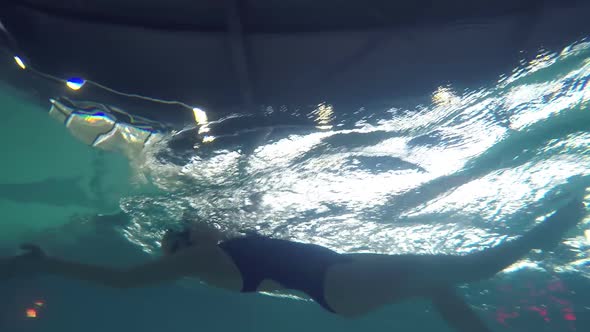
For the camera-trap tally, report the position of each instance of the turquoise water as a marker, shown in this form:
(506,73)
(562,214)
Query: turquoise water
(455,171)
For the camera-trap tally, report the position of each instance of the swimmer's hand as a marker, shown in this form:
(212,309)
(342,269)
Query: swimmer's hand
(27,264)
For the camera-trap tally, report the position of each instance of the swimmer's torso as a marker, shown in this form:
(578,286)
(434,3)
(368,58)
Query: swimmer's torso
(295,266)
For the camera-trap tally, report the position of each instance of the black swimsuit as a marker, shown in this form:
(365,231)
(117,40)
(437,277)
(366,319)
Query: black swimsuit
(294,265)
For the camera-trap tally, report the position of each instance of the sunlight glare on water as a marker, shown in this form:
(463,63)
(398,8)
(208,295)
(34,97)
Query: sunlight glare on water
(459,172)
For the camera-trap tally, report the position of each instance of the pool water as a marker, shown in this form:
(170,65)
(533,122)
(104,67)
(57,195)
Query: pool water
(453,171)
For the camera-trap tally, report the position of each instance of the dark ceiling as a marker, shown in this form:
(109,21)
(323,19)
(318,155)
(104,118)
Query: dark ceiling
(230,55)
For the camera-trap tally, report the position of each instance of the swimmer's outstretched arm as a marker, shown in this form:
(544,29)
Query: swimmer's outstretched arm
(34,262)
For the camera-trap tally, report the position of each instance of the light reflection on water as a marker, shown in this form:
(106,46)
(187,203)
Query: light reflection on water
(464,171)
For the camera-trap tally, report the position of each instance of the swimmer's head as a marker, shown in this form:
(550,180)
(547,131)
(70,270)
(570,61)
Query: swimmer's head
(198,234)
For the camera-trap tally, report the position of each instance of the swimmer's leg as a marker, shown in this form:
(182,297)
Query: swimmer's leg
(456,312)
(486,263)
(451,270)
